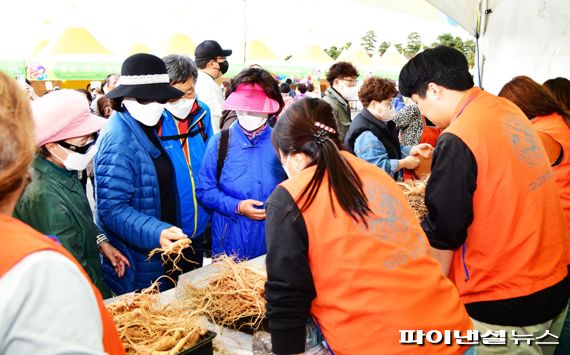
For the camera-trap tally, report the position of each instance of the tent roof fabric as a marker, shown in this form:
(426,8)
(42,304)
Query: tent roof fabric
(392,59)
(516,40)
(139,48)
(356,55)
(39,47)
(180,43)
(416,8)
(312,53)
(77,40)
(464,12)
(258,50)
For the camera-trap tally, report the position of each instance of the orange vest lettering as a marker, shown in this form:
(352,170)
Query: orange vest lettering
(19,240)
(374,281)
(518,241)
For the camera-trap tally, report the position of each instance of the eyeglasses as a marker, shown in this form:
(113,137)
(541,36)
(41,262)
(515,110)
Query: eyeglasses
(146,102)
(351,81)
(79,149)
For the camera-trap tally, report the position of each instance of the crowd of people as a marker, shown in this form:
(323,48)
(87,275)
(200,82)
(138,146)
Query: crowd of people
(263,167)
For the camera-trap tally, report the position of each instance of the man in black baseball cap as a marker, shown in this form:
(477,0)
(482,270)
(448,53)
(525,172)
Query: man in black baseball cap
(211,61)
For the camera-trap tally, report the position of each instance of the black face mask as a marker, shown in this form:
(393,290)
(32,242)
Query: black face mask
(224,66)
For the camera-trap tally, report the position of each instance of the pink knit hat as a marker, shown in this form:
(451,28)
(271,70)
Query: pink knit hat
(251,98)
(63,114)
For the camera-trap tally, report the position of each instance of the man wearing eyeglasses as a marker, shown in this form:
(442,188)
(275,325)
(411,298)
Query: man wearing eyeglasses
(342,80)
(212,64)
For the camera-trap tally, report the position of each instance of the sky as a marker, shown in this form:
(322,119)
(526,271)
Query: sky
(284,25)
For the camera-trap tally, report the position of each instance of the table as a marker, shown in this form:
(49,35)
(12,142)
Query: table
(229,340)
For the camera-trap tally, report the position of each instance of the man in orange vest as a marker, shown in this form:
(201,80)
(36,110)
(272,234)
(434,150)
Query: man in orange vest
(495,222)
(48,304)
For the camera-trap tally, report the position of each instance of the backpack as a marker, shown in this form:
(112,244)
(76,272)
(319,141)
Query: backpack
(223,147)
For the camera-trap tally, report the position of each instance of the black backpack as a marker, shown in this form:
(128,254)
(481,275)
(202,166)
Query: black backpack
(223,147)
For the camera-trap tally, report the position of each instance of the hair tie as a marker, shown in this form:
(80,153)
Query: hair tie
(323,133)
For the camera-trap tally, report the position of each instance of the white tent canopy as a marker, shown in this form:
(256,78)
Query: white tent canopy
(515,37)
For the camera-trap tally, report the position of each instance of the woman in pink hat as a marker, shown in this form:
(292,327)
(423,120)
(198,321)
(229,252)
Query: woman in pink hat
(240,168)
(55,202)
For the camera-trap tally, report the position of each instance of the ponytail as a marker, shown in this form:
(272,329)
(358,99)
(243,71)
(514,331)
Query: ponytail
(307,127)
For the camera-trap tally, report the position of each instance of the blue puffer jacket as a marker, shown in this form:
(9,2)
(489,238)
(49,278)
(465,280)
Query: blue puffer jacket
(194,219)
(251,171)
(128,201)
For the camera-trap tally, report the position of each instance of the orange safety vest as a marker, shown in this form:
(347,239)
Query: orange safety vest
(18,240)
(555,126)
(371,282)
(518,241)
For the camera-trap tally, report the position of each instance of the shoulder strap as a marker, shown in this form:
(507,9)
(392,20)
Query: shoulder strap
(223,146)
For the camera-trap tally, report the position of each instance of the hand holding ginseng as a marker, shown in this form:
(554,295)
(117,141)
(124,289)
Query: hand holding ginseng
(424,149)
(171,235)
(248,209)
(173,241)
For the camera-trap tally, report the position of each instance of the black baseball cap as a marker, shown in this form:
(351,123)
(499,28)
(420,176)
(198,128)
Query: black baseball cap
(210,49)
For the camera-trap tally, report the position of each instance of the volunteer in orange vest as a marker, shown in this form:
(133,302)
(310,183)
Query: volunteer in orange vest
(495,221)
(48,305)
(552,123)
(346,250)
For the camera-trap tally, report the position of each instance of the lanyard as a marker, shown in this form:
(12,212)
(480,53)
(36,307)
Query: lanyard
(464,106)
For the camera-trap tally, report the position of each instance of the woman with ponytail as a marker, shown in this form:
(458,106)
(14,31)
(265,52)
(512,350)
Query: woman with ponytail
(552,123)
(551,120)
(344,248)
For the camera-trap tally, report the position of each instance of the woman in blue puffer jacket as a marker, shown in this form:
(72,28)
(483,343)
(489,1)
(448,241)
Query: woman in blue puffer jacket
(250,171)
(134,180)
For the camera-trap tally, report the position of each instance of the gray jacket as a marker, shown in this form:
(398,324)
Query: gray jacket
(341,111)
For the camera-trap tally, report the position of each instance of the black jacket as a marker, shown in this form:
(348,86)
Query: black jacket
(384,131)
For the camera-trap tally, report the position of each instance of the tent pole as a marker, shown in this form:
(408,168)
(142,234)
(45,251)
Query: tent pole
(478,55)
(244,30)
(484,12)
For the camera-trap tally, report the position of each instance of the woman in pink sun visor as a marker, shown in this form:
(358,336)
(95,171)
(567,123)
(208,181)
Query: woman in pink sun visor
(241,169)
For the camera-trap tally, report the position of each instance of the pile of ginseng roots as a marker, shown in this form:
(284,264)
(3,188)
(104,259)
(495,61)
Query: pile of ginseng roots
(415,192)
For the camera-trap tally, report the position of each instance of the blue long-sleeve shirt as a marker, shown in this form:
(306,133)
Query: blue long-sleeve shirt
(369,148)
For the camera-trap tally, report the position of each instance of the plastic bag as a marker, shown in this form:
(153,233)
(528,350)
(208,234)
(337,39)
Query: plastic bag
(314,342)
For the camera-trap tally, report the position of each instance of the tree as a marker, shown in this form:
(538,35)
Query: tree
(414,45)
(470,51)
(368,41)
(399,48)
(448,40)
(467,47)
(335,51)
(383,47)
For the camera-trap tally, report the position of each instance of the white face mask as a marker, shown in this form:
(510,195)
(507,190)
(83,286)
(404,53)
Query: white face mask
(148,114)
(251,121)
(350,93)
(181,108)
(76,161)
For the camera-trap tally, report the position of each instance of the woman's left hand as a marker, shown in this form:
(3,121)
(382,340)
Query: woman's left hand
(115,257)
(423,149)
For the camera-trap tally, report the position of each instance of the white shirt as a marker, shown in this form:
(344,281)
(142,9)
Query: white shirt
(48,307)
(210,93)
